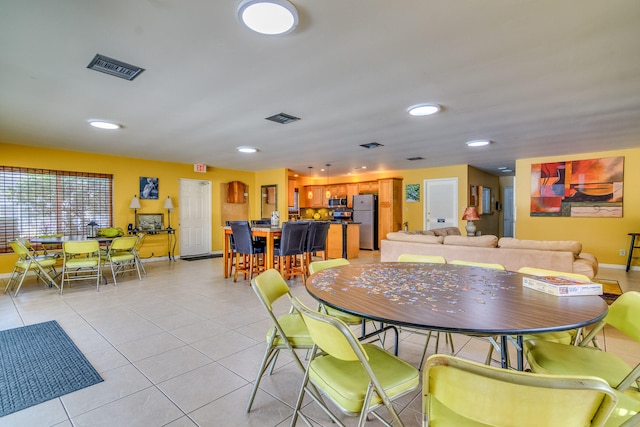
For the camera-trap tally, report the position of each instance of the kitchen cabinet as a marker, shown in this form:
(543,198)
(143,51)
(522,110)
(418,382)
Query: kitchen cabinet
(317,196)
(352,190)
(343,241)
(291,190)
(236,192)
(389,206)
(368,187)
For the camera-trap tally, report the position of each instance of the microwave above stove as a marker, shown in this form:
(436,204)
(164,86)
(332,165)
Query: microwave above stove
(337,203)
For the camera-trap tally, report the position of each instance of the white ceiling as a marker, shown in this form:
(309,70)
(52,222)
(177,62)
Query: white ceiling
(538,77)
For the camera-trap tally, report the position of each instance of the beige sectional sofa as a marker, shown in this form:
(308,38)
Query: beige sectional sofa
(511,253)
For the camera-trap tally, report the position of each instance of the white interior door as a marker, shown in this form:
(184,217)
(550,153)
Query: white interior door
(441,203)
(195,217)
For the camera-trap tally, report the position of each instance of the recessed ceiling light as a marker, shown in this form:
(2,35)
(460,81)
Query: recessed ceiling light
(502,167)
(507,170)
(371,145)
(247,149)
(423,109)
(104,125)
(478,142)
(270,17)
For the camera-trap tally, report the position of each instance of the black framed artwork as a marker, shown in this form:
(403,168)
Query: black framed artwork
(148,188)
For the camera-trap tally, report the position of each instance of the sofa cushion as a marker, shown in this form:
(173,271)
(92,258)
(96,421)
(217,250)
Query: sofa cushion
(486,241)
(543,245)
(418,238)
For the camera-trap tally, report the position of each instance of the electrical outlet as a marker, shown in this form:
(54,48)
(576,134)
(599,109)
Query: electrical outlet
(623,252)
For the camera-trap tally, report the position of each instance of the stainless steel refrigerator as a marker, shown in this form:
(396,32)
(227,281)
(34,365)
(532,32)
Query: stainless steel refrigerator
(365,211)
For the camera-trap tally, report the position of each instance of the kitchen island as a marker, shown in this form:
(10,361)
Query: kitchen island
(343,240)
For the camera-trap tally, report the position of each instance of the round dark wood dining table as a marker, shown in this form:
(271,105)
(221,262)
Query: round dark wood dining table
(452,298)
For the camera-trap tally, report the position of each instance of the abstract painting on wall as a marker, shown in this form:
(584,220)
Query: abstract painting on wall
(579,188)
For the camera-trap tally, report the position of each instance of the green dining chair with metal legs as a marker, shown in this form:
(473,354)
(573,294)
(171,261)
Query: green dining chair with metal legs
(433,259)
(358,378)
(42,266)
(288,331)
(554,358)
(317,266)
(458,392)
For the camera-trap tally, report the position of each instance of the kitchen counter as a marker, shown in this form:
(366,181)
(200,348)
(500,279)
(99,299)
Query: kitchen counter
(343,240)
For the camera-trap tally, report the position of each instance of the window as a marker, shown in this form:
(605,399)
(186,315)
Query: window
(36,202)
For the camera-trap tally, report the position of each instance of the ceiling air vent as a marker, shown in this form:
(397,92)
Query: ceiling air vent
(371,145)
(283,118)
(111,66)
(415,158)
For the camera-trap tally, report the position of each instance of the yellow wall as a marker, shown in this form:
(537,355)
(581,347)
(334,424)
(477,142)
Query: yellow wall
(413,212)
(126,174)
(603,237)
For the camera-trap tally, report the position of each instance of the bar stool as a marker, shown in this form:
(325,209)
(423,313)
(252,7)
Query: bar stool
(248,248)
(631,248)
(316,242)
(290,251)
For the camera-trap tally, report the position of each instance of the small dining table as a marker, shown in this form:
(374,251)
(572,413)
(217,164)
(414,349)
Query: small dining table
(452,298)
(268,232)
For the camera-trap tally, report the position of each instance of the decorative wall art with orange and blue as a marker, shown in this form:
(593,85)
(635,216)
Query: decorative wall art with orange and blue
(579,188)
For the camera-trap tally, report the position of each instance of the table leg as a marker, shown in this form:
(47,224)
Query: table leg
(269,254)
(633,244)
(504,352)
(225,256)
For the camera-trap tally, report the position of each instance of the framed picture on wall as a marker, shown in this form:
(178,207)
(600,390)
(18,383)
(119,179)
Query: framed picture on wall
(148,188)
(149,222)
(412,193)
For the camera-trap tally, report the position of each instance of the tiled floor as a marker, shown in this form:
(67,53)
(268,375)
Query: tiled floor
(182,346)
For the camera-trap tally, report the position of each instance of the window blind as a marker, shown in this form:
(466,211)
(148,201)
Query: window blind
(36,202)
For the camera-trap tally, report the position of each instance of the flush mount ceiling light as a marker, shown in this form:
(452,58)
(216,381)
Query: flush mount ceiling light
(423,109)
(247,149)
(104,125)
(478,142)
(270,17)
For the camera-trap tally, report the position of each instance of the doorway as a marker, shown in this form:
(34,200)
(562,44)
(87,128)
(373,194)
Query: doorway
(441,203)
(195,217)
(508,213)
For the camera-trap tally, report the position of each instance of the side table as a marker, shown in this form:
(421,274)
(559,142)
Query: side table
(631,248)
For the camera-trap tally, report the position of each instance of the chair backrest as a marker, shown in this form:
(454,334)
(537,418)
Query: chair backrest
(242,239)
(123,243)
(316,266)
(293,239)
(270,287)
(477,264)
(260,222)
(461,392)
(331,334)
(75,247)
(317,236)
(434,259)
(543,272)
(624,314)
(20,249)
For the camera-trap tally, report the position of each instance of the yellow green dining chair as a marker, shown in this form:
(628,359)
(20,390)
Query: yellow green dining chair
(458,392)
(566,337)
(81,261)
(316,266)
(42,266)
(288,331)
(571,336)
(121,256)
(477,264)
(358,378)
(434,259)
(554,358)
